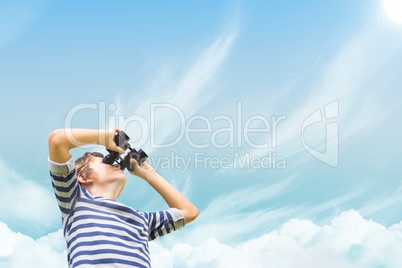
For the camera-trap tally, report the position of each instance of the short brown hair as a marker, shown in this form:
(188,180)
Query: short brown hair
(82,164)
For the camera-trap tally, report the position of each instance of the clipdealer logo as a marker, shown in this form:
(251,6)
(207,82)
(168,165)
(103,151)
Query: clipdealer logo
(238,130)
(247,142)
(329,117)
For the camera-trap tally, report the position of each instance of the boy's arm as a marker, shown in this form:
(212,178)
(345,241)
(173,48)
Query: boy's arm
(170,194)
(61,141)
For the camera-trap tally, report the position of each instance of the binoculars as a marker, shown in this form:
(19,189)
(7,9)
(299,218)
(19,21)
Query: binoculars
(121,139)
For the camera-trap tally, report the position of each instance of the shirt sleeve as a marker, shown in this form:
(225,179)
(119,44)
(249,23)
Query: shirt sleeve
(163,222)
(65,185)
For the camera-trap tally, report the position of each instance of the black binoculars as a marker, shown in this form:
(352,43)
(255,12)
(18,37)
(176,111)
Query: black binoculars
(121,139)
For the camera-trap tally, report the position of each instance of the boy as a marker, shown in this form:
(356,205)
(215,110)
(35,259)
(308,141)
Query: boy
(98,230)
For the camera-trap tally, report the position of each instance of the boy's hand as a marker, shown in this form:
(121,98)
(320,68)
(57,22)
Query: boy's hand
(107,140)
(143,171)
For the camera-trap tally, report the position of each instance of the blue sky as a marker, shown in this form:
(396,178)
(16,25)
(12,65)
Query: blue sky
(202,78)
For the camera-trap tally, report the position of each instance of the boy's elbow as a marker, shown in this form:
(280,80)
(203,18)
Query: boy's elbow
(55,137)
(191,215)
(196,213)
(58,147)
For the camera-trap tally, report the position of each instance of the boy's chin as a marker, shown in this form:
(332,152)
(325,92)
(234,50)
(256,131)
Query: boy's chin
(124,178)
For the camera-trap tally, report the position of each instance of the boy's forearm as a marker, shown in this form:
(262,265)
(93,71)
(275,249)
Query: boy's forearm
(172,196)
(61,141)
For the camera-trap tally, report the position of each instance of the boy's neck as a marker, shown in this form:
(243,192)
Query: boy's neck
(110,191)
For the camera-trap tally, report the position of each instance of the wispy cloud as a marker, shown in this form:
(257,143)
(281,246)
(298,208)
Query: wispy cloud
(348,79)
(192,91)
(381,202)
(186,92)
(236,201)
(253,207)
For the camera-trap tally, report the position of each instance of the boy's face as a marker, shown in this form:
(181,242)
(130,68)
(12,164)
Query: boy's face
(105,173)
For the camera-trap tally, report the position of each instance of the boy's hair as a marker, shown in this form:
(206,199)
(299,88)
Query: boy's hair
(82,164)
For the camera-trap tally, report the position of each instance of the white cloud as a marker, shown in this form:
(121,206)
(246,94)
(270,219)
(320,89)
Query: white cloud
(347,241)
(18,250)
(25,205)
(55,241)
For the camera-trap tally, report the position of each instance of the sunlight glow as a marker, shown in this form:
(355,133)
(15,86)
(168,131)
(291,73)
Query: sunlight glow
(393,8)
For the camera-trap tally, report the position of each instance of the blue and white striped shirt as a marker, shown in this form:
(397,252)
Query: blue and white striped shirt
(101,232)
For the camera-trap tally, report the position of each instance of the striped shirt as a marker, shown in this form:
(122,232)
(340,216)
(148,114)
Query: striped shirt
(101,232)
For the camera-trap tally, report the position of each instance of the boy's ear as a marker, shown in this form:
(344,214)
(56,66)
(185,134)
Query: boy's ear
(82,180)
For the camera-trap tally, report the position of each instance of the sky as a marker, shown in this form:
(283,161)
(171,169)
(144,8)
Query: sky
(279,120)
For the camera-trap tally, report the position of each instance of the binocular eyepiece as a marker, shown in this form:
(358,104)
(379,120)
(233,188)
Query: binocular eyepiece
(121,139)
